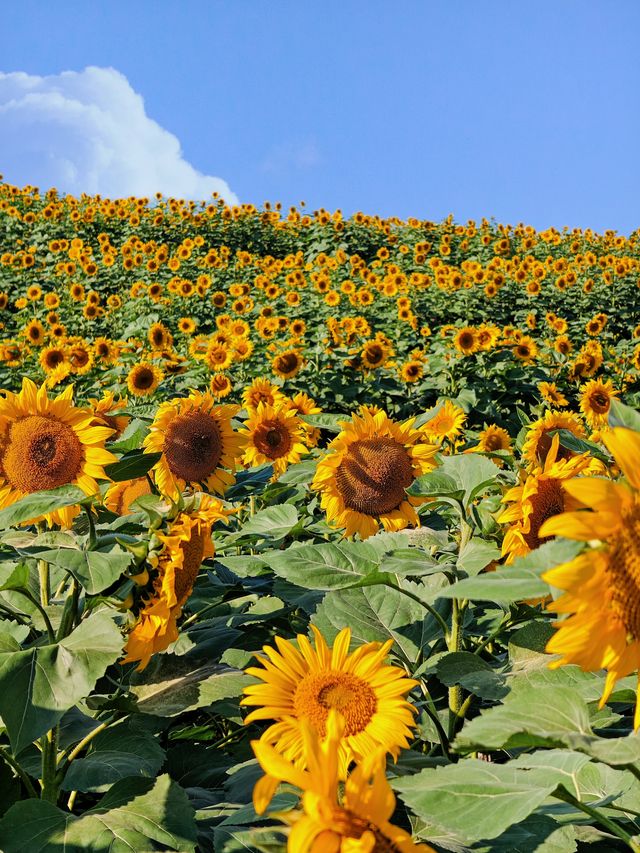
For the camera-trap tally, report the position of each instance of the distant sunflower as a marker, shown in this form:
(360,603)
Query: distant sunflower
(595,402)
(107,410)
(143,379)
(541,496)
(220,386)
(273,435)
(602,584)
(48,443)
(80,357)
(538,439)
(368,467)
(186,544)
(490,440)
(287,364)
(526,349)
(261,391)
(307,682)
(334,817)
(197,443)
(412,371)
(159,336)
(52,357)
(466,340)
(219,356)
(446,423)
(550,393)
(374,354)
(35,333)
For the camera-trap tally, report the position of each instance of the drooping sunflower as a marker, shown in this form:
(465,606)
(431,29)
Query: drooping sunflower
(602,584)
(307,682)
(143,379)
(261,391)
(197,443)
(542,495)
(220,386)
(355,820)
(159,336)
(595,402)
(185,546)
(538,438)
(107,410)
(48,443)
(446,423)
(273,435)
(364,476)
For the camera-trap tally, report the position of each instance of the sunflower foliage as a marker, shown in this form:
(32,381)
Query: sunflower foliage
(315,534)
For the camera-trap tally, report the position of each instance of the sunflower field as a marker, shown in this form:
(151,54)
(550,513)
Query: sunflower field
(316,534)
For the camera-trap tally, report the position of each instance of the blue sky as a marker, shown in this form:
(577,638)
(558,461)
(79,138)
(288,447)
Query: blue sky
(521,111)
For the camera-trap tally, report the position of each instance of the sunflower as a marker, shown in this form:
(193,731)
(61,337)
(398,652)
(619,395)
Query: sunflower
(367,469)
(526,349)
(287,364)
(220,386)
(159,336)
(106,350)
(120,496)
(106,411)
(541,496)
(538,439)
(80,357)
(490,440)
(219,356)
(595,402)
(602,584)
(197,444)
(412,371)
(48,443)
(52,357)
(550,393)
(186,325)
(273,435)
(446,423)
(34,332)
(261,391)
(333,818)
(466,340)
(143,379)
(186,544)
(375,354)
(307,682)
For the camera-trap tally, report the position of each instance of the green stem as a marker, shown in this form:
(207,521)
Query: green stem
(43,574)
(455,637)
(70,611)
(75,752)
(43,613)
(614,828)
(72,800)
(13,764)
(49,782)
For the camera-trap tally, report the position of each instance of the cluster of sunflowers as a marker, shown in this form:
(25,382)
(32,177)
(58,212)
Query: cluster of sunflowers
(193,390)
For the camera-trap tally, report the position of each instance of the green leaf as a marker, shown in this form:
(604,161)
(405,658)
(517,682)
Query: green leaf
(275,522)
(132,465)
(95,570)
(325,420)
(436,484)
(464,477)
(14,576)
(534,717)
(621,415)
(39,503)
(172,685)
(135,815)
(476,555)
(124,749)
(516,582)
(472,673)
(132,437)
(326,566)
(474,799)
(39,684)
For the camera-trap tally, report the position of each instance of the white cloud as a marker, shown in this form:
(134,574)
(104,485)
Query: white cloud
(87,131)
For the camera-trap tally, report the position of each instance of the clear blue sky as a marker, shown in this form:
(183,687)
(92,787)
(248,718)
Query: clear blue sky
(521,111)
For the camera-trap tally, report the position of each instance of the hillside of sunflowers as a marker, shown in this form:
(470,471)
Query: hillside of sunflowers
(316,533)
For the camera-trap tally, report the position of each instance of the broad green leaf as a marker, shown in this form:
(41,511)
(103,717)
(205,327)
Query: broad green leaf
(135,815)
(325,420)
(14,576)
(132,437)
(537,833)
(171,685)
(464,476)
(39,503)
(409,561)
(621,415)
(122,750)
(474,799)
(516,582)
(95,570)
(436,484)
(39,684)
(472,673)
(476,555)
(326,566)
(275,522)
(378,613)
(132,465)
(535,717)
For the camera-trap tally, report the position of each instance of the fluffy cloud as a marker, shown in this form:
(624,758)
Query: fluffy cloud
(88,131)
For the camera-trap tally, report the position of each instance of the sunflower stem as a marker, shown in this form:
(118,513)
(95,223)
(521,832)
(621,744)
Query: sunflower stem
(50,632)
(564,795)
(70,611)
(13,764)
(49,781)
(455,637)
(43,576)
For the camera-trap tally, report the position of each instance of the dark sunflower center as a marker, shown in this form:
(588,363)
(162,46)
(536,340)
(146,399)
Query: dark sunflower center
(466,340)
(288,362)
(352,696)
(192,555)
(272,439)
(54,358)
(373,476)
(623,569)
(193,446)
(547,502)
(599,402)
(42,453)
(143,378)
